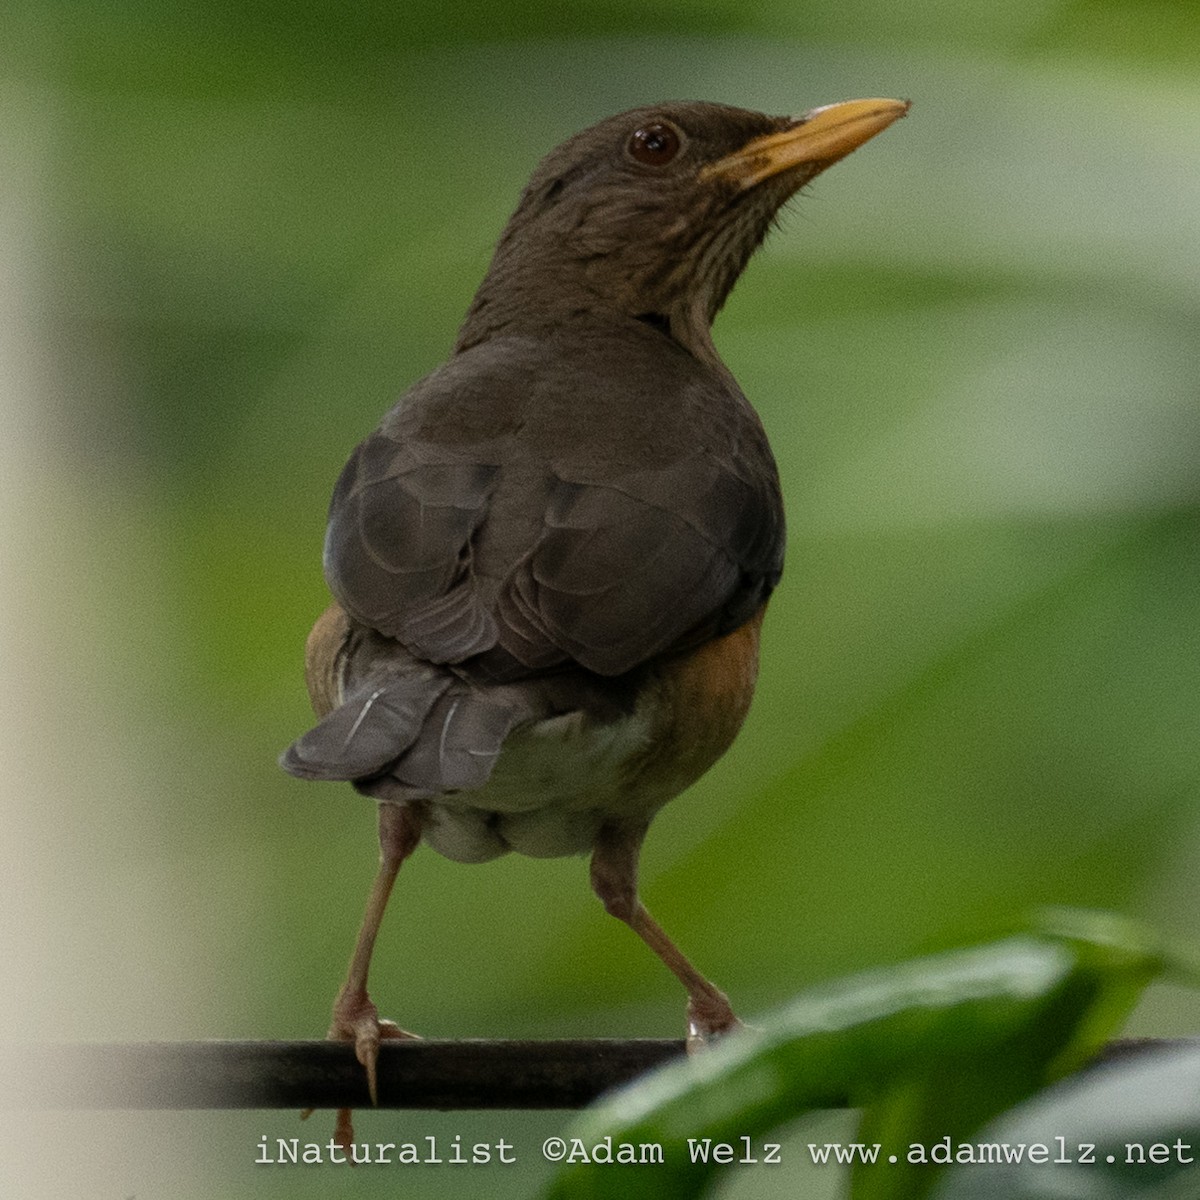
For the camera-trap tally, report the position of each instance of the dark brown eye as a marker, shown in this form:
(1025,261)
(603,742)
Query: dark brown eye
(655,145)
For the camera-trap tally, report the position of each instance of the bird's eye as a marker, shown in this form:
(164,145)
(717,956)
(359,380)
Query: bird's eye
(655,145)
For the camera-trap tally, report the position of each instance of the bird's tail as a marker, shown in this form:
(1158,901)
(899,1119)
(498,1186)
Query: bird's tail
(427,733)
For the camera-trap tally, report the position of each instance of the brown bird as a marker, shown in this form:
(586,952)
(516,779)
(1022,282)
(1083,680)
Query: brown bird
(551,561)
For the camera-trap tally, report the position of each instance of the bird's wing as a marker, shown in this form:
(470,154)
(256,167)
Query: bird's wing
(633,564)
(398,546)
(496,510)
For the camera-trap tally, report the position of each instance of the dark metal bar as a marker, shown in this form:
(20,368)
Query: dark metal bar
(418,1074)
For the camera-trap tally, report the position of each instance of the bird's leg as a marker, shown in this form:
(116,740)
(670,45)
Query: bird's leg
(614,880)
(355,1017)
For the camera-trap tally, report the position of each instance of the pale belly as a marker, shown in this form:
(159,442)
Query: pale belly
(553,786)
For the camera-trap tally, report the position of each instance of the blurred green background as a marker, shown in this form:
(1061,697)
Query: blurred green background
(231,234)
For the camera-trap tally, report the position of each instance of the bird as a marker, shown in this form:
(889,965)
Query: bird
(550,562)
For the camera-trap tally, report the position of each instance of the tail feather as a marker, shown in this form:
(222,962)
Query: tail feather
(411,736)
(459,744)
(370,729)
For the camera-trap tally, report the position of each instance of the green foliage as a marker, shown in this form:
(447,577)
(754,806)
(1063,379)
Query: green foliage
(930,1050)
(1129,1130)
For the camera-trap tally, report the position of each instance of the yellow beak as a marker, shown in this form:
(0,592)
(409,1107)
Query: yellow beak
(818,138)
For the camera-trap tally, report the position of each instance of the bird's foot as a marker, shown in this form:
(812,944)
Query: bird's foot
(357,1020)
(709,1018)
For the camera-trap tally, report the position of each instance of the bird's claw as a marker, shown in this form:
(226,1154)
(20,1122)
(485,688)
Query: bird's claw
(367,1037)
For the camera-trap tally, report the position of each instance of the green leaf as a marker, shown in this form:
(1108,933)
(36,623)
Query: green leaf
(929,1049)
(1127,1129)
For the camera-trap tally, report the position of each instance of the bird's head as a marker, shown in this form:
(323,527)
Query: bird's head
(654,213)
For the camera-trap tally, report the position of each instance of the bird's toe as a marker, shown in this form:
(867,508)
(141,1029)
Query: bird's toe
(357,1020)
